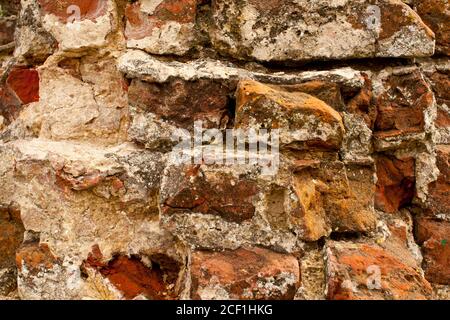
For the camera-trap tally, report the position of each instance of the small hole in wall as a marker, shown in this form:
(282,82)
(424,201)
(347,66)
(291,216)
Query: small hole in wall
(156,279)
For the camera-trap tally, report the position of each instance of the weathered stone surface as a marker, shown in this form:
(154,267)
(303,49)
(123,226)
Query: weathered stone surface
(138,64)
(216,194)
(33,42)
(364,271)
(395,233)
(436,14)
(402,97)
(7,28)
(301,30)
(312,271)
(433,236)
(11,236)
(441,82)
(25,84)
(78,104)
(161,26)
(245,273)
(10,7)
(34,258)
(111,189)
(333,197)
(20,88)
(79,25)
(10,105)
(153,277)
(357,143)
(301,119)
(441,292)
(439,190)
(11,227)
(216,206)
(437,72)
(67,9)
(154,81)
(395,183)
(310,199)
(183,102)
(98,195)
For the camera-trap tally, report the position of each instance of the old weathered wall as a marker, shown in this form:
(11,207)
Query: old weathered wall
(95,203)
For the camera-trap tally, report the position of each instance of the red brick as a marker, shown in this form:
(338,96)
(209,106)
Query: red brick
(11,235)
(141,24)
(88,9)
(434,237)
(25,84)
(251,273)
(7,27)
(396,183)
(401,106)
(439,190)
(350,268)
(181,102)
(133,278)
(436,14)
(10,105)
(214,193)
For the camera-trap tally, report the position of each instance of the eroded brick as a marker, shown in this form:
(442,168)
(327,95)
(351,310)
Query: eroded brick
(368,272)
(439,190)
(245,273)
(154,280)
(401,105)
(434,237)
(25,84)
(334,197)
(161,27)
(396,183)
(301,118)
(191,190)
(183,102)
(66,9)
(436,14)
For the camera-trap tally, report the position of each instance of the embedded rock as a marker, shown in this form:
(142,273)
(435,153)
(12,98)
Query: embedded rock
(211,193)
(77,101)
(225,149)
(138,64)
(79,25)
(153,277)
(7,28)
(304,30)
(161,26)
(226,206)
(181,103)
(33,42)
(334,197)
(308,199)
(89,190)
(301,119)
